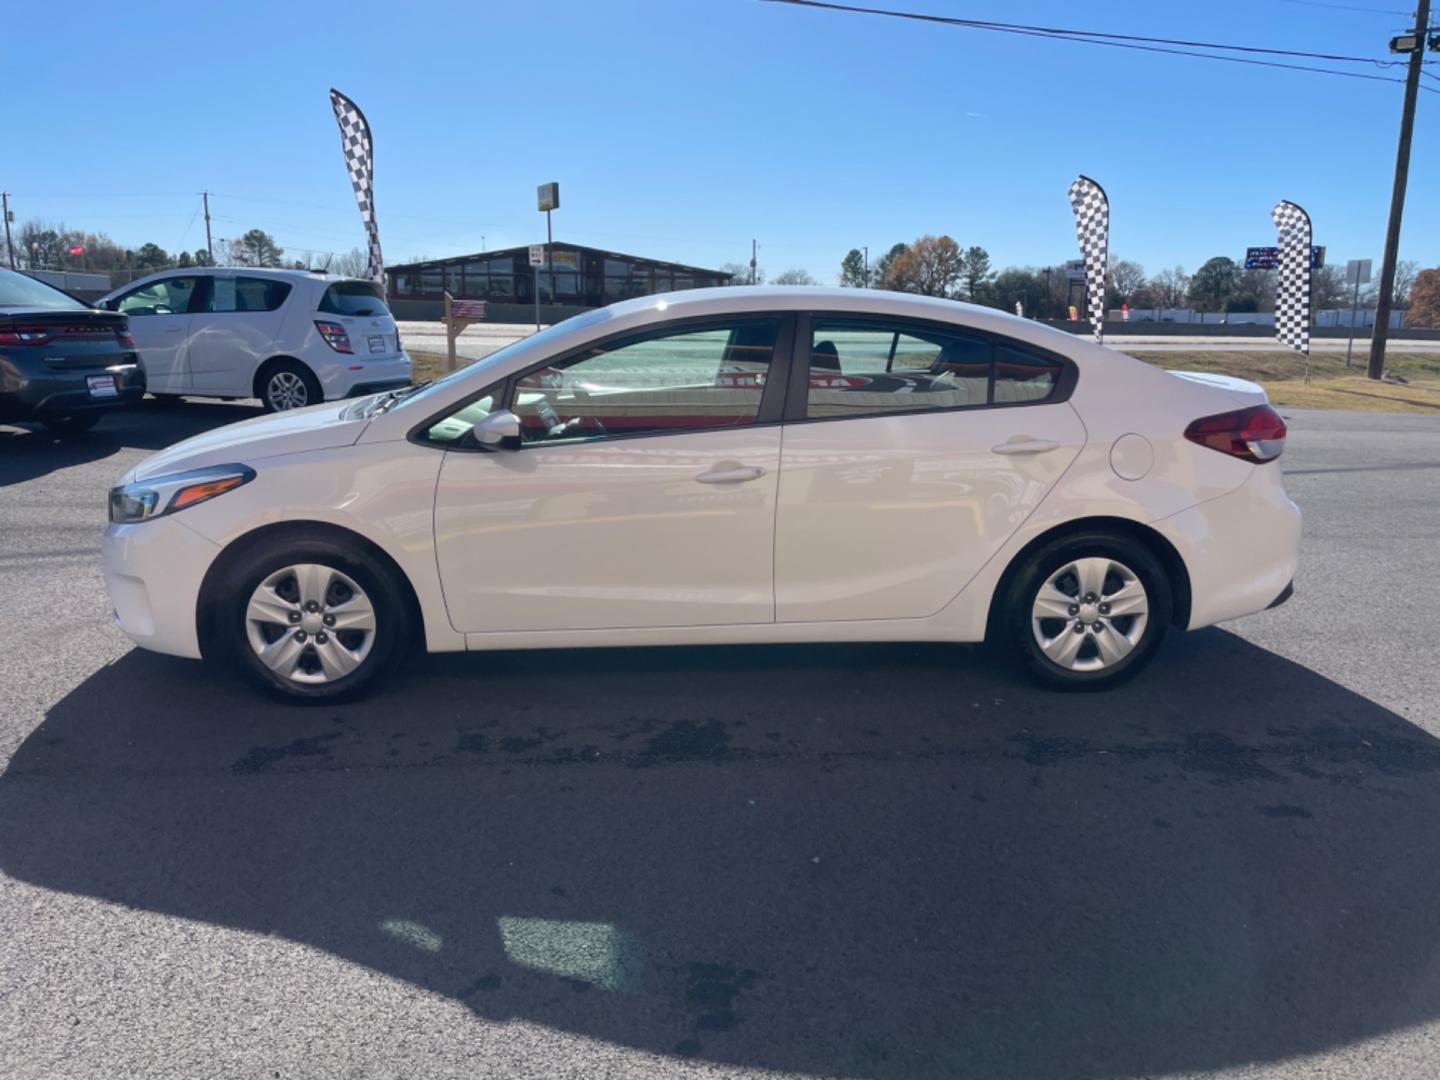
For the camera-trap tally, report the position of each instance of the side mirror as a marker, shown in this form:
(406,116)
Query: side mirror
(499,431)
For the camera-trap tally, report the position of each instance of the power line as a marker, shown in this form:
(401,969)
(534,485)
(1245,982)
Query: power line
(1349,7)
(1117,41)
(986,24)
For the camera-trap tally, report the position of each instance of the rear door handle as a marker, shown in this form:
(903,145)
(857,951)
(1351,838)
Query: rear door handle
(1025,446)
(737,474)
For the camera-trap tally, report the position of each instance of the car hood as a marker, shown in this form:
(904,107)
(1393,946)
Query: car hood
(319,427)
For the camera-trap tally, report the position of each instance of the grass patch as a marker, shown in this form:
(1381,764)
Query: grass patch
(429,365)
(1332,384)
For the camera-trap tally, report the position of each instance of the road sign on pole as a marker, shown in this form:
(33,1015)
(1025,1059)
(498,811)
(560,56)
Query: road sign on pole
(537,260)
(1357,273)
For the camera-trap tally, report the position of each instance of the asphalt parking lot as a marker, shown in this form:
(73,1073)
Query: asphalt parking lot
(843,860)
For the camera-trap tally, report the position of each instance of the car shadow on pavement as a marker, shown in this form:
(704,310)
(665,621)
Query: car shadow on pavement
(28,451)
(871,860)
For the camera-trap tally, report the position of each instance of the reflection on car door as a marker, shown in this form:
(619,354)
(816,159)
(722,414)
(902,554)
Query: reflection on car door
(234,331)
(913,468)
(159,315)
(643,494)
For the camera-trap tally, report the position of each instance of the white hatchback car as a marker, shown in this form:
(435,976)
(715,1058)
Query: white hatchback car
(288,337)
(721,465)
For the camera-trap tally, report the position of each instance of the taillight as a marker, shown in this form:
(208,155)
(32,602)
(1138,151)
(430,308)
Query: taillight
(24,337)
(122,332)
(1256,434)
(334,335)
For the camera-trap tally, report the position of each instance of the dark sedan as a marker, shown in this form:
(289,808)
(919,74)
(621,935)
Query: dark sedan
(62,363)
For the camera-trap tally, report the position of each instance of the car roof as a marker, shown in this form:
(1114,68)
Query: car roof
(737,299)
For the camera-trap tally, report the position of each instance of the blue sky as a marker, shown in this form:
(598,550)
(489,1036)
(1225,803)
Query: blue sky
(681,129)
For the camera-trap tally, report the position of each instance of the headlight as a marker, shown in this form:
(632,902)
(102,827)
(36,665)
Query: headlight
(160,495)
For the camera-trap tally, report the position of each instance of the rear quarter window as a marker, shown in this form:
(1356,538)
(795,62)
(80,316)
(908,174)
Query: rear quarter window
(353,298)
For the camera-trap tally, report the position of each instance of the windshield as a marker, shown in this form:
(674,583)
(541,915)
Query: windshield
(424,391)
(18,290)
(353,298)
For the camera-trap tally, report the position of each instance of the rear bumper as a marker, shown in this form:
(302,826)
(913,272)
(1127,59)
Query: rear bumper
(153,573)
(61,392)
(1241,550)
(354,376)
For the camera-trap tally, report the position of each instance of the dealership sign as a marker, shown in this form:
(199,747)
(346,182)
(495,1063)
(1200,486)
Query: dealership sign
(1268,258)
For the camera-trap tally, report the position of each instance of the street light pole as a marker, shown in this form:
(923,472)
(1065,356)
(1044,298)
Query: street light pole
(9,244)
(1397,195)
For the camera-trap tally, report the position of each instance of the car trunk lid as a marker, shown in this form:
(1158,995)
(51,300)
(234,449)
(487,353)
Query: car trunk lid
(69,339)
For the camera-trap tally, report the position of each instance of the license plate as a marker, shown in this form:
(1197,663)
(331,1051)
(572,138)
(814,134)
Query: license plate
(101,385)
(377,342)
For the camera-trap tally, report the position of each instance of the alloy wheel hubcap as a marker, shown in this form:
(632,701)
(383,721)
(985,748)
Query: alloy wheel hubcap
(310,624)
(286,390)
(1089,614)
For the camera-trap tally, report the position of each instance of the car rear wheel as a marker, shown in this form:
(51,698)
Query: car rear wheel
(71,424)
(1088,612)
(314,620)
(289,385)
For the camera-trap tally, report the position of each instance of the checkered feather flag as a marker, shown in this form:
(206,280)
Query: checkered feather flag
(360,161)
(1092,229)
(1292,294)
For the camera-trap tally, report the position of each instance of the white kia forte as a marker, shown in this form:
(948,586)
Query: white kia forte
(720,466)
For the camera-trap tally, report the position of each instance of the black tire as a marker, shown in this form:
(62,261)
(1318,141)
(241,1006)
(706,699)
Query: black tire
(1019,628)
(72,423)
(285,380)
(393,632)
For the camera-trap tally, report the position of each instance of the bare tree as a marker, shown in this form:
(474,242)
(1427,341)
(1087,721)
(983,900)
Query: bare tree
(1170,287)
(352,263)
(794,277)
(1328,289)
(1125,279)
(1405,271)
(740,273)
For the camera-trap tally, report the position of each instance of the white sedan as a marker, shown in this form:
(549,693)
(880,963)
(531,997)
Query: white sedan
(721,466)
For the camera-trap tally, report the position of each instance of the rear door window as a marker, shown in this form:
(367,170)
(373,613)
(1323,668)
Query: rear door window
(1022,375)
(359,298)
(870,367)
(229,294)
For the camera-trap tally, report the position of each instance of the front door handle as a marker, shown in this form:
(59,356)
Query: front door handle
(735,474)
(1026,446)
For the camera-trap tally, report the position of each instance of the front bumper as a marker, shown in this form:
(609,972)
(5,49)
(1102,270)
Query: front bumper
(64,391)
(153,573)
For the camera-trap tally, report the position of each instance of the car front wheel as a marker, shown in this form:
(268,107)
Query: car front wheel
(314,620)
(1089,612)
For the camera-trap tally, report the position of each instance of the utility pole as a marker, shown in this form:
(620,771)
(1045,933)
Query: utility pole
(1397,195)
(209,244)
(9,244)
(754,247)
(866,282)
